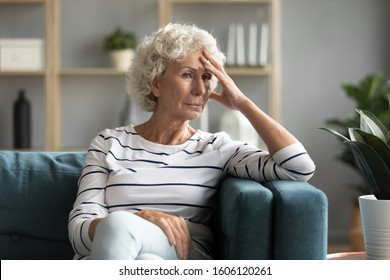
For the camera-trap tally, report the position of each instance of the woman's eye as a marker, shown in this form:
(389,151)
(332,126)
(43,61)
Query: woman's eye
(186,75)
(207,76)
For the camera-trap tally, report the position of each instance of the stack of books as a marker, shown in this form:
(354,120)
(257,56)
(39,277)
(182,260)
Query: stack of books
(248,52)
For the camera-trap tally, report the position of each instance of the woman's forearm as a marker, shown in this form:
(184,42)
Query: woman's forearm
(274,135)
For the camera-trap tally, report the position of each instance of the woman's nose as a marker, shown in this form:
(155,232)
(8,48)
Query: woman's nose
(199,87)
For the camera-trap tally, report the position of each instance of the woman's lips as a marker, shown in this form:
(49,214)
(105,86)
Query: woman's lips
(194,105)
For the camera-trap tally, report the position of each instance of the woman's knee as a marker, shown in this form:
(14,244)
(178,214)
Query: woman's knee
(114,222)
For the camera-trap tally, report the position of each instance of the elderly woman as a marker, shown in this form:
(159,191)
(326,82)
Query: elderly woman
(146,191)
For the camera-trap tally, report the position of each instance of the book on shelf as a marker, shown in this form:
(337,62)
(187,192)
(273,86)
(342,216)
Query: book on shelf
(264,44)
(251,52)
(231,48)
(240,45)
(252,48)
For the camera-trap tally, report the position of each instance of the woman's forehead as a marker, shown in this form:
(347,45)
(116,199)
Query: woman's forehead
(192,60)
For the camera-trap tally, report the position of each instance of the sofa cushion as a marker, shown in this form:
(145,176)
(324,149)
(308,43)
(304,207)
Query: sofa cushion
(244,218)
(37,191)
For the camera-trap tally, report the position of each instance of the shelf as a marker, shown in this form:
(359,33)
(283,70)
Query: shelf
(219,1)
(22,73)
(22,1)
(92,72)
(231,70)
(248,71)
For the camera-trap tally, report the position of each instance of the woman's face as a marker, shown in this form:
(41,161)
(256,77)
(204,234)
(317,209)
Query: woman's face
(183,91)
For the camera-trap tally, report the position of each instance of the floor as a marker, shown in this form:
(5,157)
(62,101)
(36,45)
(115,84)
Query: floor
(337,248)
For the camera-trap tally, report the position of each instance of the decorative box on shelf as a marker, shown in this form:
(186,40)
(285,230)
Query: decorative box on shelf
(21,54)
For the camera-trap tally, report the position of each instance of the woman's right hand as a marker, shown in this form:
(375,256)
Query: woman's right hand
(174,227)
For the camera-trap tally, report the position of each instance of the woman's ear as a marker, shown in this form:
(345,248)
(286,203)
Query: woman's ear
(155,87)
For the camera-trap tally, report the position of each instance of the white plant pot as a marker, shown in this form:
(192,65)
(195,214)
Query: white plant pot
(121,59)
(375,216)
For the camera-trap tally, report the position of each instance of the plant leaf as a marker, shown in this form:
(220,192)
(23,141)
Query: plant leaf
(352,134)
(376,81)
(373,169)
(356,135)
(388,139)
(371,124)
(334,132)
(388,96)
(376,144)
(352,90)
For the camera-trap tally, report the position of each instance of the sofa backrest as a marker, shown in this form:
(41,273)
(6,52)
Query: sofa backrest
(37,192)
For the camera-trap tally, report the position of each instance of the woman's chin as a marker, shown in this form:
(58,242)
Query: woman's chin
(195,115)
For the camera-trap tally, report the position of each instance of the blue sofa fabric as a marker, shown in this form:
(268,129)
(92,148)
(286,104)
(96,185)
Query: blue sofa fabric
(300,221)
(37,191)
(244,220)
(281,220)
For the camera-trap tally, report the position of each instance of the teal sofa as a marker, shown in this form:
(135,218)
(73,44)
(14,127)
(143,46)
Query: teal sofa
(280,220)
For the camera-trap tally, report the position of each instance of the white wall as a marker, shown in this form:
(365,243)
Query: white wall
(326,42)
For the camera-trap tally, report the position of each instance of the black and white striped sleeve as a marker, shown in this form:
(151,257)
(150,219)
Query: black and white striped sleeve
(90,200)
(289,163)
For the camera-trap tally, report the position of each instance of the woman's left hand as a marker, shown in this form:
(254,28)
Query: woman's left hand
(231,96)
(174,227)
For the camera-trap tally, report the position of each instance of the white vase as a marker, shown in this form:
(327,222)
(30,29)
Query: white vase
(238,127)
(355,231)
(121,59)
(375,216)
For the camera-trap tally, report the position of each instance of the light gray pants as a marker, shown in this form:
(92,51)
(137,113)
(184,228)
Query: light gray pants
(125,236)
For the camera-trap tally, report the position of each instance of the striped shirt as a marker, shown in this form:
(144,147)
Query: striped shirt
(123,171)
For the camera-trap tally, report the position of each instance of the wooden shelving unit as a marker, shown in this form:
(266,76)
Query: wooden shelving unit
(49,73)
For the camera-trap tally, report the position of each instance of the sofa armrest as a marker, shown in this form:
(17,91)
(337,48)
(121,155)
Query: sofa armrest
(243,219)
(300,221)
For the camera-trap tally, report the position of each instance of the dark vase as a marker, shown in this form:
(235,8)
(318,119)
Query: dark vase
(22,122)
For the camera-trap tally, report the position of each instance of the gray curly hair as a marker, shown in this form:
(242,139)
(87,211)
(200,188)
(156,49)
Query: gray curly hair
(172,42)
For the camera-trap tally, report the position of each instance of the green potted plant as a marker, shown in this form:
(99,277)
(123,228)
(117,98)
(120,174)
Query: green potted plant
(370,148)
(120,45)
(369,94)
